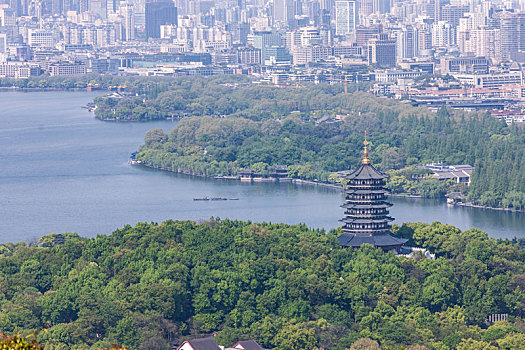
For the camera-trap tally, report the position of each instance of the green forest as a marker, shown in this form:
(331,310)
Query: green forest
(149,86)
(260,127)
(235,96)
(286,286)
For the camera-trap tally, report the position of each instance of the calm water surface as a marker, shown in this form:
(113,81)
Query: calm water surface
(62,170)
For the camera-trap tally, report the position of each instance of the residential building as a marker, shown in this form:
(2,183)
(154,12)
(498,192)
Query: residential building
(346,18)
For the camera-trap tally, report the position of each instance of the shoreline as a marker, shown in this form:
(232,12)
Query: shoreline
(314,183)
(135,121)
(38,89)
(238,178)
(477,206)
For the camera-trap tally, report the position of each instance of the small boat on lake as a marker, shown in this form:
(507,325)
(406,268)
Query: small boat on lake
(234,199)
(218,199)
(201,199)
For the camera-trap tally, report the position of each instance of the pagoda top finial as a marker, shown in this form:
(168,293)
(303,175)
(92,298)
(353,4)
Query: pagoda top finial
(366,160)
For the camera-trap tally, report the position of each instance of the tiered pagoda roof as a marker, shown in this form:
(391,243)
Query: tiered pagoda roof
(367,217)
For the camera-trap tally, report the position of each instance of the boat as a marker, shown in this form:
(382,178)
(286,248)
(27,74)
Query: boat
(234,199)
(218,199)
(201,199)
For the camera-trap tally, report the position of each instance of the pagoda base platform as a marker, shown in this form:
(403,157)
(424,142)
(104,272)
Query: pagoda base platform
(384,241)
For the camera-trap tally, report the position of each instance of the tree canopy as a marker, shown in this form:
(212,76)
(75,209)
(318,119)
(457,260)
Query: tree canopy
(286,286)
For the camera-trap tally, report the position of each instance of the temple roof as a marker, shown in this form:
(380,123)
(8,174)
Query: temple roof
(376,191)
(381,240)
(369,220)
(372,205)
(365,172)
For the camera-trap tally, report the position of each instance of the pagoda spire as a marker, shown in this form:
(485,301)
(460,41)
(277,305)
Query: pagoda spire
(365,160)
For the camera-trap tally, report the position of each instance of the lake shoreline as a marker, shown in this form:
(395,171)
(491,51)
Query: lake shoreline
(314,183)
(40,89)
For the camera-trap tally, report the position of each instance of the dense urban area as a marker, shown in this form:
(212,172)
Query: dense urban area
(465,54)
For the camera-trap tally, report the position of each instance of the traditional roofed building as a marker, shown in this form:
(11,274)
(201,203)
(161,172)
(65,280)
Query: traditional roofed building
(366,210)
(247,345)
(207,343)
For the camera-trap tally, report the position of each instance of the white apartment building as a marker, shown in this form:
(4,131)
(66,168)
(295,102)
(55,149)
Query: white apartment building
(484,43)
(7,16)
(346,17)
(443,34)
(41,38)
(128,22)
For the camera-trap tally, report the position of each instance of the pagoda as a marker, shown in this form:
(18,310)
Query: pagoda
(366,209)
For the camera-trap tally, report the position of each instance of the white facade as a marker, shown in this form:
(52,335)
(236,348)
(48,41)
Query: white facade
(346,17)
(41,38)
(490,80)
(443,34)
(128,22)
(484,43)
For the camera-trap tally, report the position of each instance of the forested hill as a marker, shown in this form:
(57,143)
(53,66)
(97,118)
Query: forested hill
(400,136)
(288,287)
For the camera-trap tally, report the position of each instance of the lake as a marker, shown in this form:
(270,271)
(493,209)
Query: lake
(62,170)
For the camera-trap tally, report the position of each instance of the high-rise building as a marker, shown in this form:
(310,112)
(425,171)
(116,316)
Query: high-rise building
(363,34)
(98,8)
(3,43)
(382,51)
(407,42)
(452,13)
(35,9)
(7,17)
(161,12)
(509,34)
(365,8)
(443,34)
(310,36)
(484,42)
(239,32)
(128,22)
(283,13)
(267,42)
(521,31)
(382,6)
(434,9)
(346,17)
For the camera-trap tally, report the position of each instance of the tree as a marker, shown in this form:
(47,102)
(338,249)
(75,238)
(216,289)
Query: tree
(512,341)
(155,136)
(471,344)
(296,337)
(365,344)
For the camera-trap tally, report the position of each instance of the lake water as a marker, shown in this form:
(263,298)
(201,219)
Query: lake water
(63,170)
